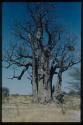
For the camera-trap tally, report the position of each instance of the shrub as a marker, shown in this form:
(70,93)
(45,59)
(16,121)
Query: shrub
(5,92)
(73,93)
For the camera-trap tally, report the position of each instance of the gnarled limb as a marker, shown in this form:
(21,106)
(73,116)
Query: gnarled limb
(22,73)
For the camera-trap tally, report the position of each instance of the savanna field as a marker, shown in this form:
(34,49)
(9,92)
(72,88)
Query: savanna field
(22,109)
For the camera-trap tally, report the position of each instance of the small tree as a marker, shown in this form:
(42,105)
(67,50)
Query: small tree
(5,92)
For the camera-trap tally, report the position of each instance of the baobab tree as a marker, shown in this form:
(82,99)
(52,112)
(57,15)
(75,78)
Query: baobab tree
(43,48)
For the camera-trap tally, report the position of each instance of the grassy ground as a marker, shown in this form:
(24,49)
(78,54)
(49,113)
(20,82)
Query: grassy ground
(22,109)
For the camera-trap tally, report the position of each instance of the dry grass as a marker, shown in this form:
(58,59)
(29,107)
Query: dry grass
(21,109)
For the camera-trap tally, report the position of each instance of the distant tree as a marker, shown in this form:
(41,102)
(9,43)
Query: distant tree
(5,92)
(73,92)
(16,94)
(75,74)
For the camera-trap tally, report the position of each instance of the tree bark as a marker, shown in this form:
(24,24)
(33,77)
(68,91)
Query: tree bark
(41,79)
(44,88)
(58,91)
(34,81)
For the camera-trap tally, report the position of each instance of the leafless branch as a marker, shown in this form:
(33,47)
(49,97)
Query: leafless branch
(22,73)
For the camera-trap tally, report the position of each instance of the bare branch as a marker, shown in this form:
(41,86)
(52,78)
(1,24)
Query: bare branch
(70,65)
(22,73)
(25,56)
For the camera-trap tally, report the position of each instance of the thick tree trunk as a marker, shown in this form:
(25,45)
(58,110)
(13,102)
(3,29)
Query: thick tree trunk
(43,75)
(58,91)
(44,89)
(34,79)
(41,79)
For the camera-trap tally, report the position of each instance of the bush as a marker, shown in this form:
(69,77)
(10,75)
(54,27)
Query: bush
(5,92)
(74,93)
